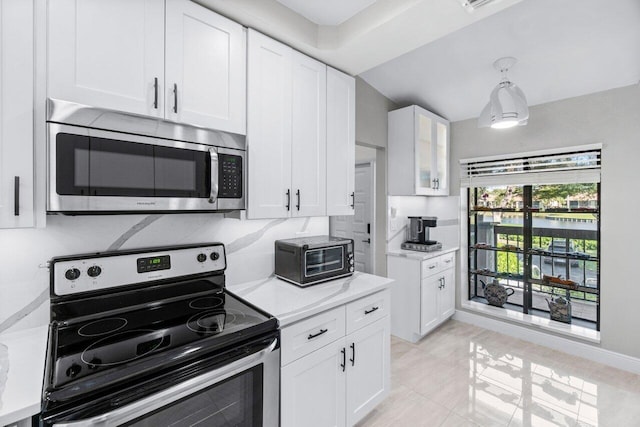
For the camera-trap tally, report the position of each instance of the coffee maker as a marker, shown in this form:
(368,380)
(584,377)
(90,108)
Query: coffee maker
(418,234)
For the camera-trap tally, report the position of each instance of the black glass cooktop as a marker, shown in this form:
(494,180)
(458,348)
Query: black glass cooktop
(163,330)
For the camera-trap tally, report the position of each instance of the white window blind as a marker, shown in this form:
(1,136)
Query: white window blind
(576,166)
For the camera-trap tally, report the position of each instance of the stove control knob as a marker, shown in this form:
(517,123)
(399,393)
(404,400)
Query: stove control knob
(351,269)
(74,370)
(214,256)
(72,274)
(202,257)
(94,271)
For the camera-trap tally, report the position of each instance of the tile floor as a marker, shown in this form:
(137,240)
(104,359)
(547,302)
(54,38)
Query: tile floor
(463,375)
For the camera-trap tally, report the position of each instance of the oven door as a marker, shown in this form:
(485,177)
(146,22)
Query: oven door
(245,392)
(101,171)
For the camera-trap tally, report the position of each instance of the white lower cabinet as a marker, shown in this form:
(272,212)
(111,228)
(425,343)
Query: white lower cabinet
(342,381)
(423,295)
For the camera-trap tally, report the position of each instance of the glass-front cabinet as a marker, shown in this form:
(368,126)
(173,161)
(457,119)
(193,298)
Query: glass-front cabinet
(421,138)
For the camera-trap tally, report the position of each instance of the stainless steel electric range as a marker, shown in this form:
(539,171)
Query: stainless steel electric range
(152,338)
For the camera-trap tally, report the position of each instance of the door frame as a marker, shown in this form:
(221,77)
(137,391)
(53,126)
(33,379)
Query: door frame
(374,240)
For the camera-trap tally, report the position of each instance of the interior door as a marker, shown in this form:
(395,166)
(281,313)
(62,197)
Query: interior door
(206,68)
(107,54)
(360,226)
(269,128)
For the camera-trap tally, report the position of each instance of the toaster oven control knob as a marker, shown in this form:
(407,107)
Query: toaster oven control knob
(94,271)
(72,274)
(214,256)
(73,370)
(202,257)
(351,269)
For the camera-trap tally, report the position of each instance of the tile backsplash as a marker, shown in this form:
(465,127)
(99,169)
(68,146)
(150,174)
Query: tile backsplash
(24,276)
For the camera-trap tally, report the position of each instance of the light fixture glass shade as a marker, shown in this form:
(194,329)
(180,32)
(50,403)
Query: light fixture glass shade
(507,105)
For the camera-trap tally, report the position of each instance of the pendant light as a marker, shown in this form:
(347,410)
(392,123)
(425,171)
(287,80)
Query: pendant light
(507,105)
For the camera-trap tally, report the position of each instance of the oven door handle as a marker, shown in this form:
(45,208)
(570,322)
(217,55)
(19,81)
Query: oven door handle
(213,155)
(179,391)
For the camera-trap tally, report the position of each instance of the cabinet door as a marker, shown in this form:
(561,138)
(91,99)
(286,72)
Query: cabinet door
(269,128)
(16,113)
(367,369)
(447,295)
(309,136)
(313,389)
(107,54)
(205,66)
(441,157)
(429,294)
(425,175)
(341,140)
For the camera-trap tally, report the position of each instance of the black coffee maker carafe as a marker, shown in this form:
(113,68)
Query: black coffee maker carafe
(418,231)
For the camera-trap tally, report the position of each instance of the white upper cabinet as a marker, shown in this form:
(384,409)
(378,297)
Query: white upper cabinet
(107,54)
(112,54)
(341,140)
(16,113)
(418,150)
(309,136)
(269,127)
(206,69)
(286,133)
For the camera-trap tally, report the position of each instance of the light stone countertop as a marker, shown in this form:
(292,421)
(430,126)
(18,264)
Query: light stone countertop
(22,358)
(421,256)
(290,303)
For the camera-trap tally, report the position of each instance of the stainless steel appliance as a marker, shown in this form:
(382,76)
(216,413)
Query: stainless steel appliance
(102,161)
(306,261)
(418,234)
(152,337)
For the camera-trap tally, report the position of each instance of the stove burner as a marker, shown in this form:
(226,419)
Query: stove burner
(206,302)
(102,327)
(213,321)
(123,347)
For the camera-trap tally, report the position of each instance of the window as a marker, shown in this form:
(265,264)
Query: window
(534,234)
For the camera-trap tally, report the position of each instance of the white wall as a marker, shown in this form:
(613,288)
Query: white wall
(611,118)
(24,280)
(371,130)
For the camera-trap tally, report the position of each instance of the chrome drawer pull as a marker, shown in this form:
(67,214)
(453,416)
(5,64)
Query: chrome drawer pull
(322,331)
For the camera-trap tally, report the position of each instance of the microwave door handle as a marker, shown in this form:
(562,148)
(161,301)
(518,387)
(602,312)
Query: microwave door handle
(213,155)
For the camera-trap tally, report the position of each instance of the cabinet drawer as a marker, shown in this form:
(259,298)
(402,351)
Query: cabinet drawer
(311,334)
(447,261)
(431,266)
(367,310)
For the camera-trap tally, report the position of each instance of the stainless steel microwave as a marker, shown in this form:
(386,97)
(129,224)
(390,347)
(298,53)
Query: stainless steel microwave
(306,261)
(102,161)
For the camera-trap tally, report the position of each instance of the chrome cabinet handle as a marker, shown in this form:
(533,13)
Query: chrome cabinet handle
(155,93)
(322,331)
(343,365)
(288,193)
(175,98)
(298,196)
(16,196)
(372,310)
(353,200)
(353,354)
(214,175)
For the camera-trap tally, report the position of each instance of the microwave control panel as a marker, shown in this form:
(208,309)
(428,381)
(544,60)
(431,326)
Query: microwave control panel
(230,177)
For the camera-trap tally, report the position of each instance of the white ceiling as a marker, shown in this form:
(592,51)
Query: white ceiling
(379,32)
(327,12)
(564,49)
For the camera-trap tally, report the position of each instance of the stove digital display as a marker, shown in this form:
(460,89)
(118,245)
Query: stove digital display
(154,263)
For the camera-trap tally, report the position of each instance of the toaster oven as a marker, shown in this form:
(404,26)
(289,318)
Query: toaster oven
(307,261)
